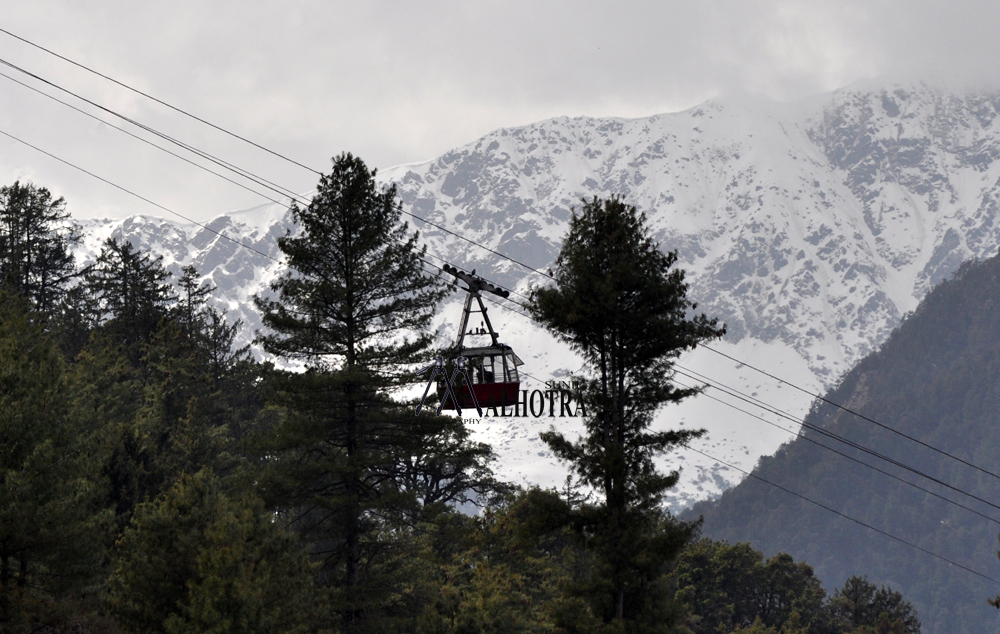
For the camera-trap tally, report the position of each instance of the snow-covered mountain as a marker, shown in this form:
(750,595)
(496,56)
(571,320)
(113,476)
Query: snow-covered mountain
(809,228)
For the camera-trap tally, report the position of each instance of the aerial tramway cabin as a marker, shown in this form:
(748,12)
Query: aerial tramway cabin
(492,368)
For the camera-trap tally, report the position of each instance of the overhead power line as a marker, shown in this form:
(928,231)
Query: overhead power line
(752,401)
(844,455)
(841,439)
(758,403)
(139,138)
(140,197)
(832,510)
(845,516)
(857,414)
(190,148)
(779,412)
(481,246)
(159,101)
(741,396)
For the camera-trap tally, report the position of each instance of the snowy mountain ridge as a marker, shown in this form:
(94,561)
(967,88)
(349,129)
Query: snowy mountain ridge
(809,228)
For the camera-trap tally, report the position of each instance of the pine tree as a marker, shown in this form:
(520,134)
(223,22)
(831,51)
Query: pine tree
(729,587)
(191,304)
(200,560)
(35,241)
(131,295)
(208,328)
(353,308)
(234,376)
(185,406)
(491,578)
(622,306)
(861,604)
(74,320)
(218,340)
(48,496)
(183,423)
(355,282)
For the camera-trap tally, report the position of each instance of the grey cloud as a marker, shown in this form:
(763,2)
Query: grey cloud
(399,82)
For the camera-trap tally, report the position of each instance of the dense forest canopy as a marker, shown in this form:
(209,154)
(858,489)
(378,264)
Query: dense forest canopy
(157,478)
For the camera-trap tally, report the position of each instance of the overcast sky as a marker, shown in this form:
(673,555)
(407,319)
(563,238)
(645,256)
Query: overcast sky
(400,82)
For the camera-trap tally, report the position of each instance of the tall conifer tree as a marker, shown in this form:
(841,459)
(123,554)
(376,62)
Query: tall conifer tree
(35,241)
(130,293)
(190,311)
(353,307)
(619,302)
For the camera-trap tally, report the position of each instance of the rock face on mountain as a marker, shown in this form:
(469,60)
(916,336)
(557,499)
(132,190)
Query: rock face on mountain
(809,228)
(936,382)
(235,252)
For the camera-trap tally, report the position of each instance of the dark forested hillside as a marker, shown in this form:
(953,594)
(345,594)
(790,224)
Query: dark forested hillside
(936,379)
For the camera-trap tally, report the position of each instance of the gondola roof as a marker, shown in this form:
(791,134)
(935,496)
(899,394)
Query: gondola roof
(482,351)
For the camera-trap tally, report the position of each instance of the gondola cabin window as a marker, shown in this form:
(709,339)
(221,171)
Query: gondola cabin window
(494,368)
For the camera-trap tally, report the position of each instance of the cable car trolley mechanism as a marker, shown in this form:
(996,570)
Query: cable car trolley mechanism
(492,368)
